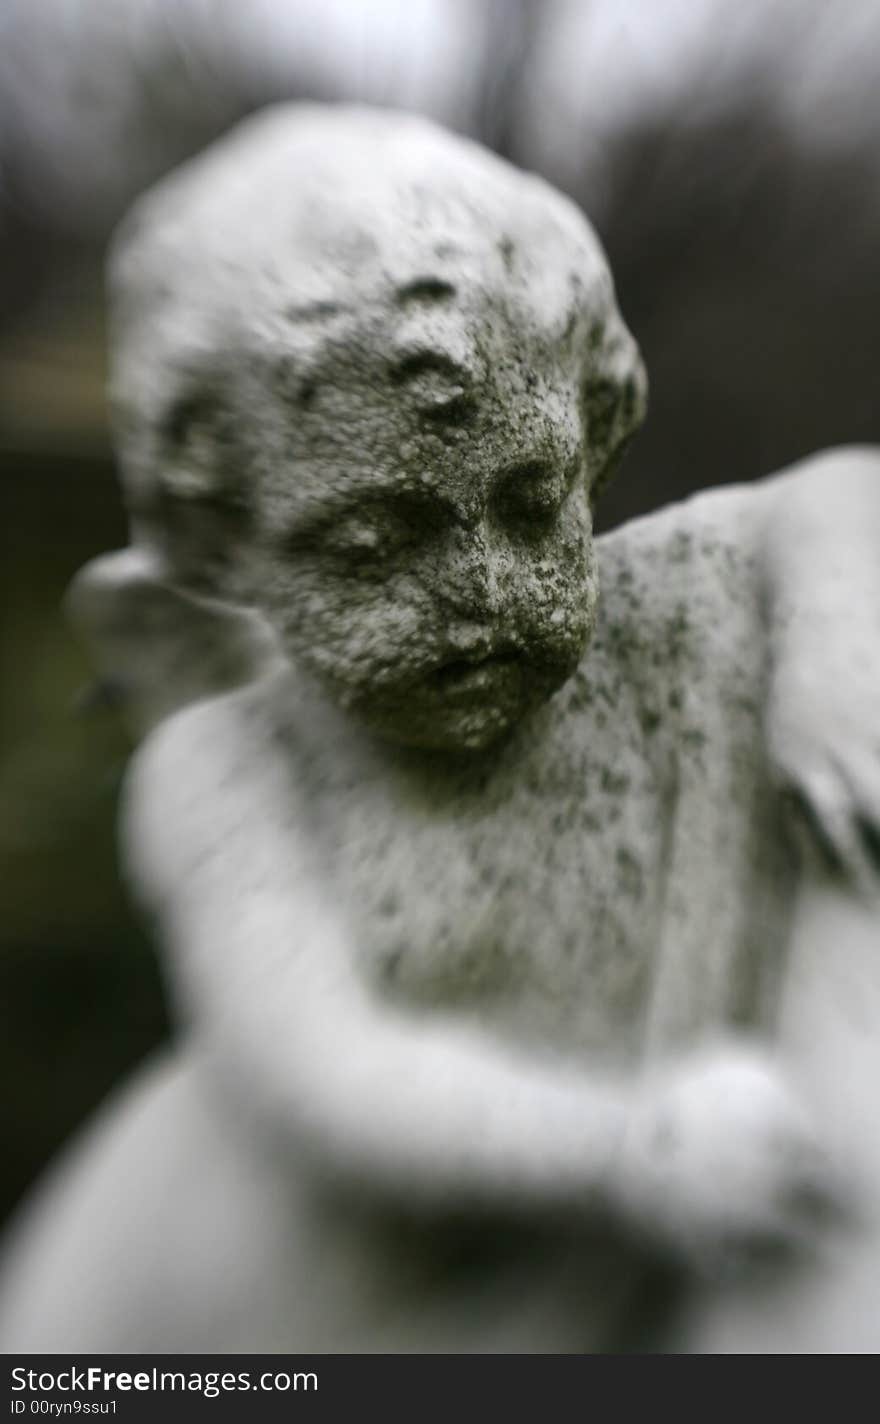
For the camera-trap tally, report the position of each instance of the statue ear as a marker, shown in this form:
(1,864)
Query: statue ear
(158,647)
(181,464)
(193,459)
(615,400)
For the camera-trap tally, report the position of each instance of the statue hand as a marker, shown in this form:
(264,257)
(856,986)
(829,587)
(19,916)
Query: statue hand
(822,585)
(720,1164)
(823,737)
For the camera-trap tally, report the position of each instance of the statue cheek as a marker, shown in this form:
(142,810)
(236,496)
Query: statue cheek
(371,641)
(566,576)
(559,610)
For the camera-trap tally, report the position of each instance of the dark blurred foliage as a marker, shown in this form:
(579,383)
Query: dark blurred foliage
(746,262)
(79,992)
(745,259)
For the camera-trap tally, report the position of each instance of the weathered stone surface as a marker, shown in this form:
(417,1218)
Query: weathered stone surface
(473,885)
(377,350)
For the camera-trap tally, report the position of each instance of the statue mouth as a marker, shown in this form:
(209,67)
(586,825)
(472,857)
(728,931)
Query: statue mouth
(470,677)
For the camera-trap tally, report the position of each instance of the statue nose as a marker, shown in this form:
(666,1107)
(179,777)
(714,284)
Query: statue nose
(474,584)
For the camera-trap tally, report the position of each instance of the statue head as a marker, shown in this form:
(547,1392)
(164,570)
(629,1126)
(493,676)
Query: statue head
(369,380)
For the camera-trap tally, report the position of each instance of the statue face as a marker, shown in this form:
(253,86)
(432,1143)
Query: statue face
(423,532)
(380,413)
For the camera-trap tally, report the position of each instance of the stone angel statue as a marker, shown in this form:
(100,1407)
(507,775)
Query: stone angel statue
(517,892)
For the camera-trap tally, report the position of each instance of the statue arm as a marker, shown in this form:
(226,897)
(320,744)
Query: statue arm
(415,1107)
(819,542)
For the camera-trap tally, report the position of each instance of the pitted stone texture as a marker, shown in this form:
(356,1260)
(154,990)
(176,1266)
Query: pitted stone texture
(371,378)
(315,233)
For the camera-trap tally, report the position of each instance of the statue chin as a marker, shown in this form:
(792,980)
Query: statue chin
(466,707)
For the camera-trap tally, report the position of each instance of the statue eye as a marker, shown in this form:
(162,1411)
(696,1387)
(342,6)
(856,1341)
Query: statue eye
(602,402)
(531,497)
(366,541)
(361,540)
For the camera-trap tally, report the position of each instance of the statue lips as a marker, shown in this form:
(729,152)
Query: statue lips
(472,678)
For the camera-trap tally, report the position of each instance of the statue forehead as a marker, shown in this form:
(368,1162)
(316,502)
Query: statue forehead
(330,274)
(305,216)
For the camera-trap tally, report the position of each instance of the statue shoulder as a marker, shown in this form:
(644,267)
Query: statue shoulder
(668,577)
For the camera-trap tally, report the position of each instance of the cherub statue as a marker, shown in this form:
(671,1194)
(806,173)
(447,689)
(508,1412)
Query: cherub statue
(466,835)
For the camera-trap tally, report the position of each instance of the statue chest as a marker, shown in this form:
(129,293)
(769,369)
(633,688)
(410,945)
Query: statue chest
(606,886)
(524,895)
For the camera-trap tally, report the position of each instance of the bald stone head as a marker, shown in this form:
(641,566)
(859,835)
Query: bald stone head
(369,378)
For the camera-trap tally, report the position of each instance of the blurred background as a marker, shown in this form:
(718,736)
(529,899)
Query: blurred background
(728,156)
